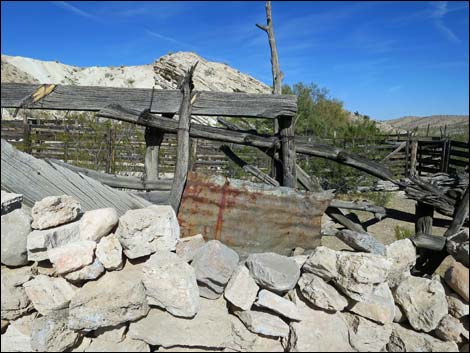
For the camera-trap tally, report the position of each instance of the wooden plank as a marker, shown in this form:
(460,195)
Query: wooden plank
(429,242)
(457,153)
(458,162)
(424,218)
(91,98)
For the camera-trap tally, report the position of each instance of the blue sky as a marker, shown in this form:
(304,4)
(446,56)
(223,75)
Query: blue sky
(384,59)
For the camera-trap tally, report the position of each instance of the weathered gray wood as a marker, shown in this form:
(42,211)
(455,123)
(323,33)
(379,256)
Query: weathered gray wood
(35,179)
(361,241)
(429,242)
(424,218)
(309,183)
(118,181)
(247,167)
(153,140)
(182,152)
(356,205)
(91,98)
(460,214)
(413,157)
(394,152)
(287,155)
(338,216)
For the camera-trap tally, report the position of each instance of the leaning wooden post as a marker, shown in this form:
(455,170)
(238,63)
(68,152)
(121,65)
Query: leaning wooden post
(277,82)
(182,154)
(460,214)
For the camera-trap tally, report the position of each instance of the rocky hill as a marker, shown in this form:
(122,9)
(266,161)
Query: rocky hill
(456,124)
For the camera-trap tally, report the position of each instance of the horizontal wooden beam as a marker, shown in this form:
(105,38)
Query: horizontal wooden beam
(91,98)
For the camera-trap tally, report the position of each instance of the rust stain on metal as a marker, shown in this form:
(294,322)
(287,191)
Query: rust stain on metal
(251,217)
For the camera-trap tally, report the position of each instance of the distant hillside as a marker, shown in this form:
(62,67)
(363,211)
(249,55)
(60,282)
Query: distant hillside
(456,124)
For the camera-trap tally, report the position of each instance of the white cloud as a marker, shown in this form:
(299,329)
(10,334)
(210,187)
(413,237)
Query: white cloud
(440,10)
(71,8)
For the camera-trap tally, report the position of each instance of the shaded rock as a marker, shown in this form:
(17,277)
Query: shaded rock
(263,323)
(457,306)
(457,278)
(127,345)
(423,301)
(49,294)
(17,337)
(402,254)
(320,293)
(273,271)
(273,302)
(378,305)
(144,231)
(211,327)
(241,290)
(50,333)
(458,246)
(84,343)
(451,329)
(15,227)
(170,283)
(464,348)
(72,257)
(10,202)
(116,298)
(367,336)
(53,211)
(400,316)
(322,262)
(214,264)
(87,273)
(4,325)
(14,302)
(96,224)
(444,266)
(109,252)
(39,241)
(187,247)
(406,340)
(111,334)
(243,340)
(318,331)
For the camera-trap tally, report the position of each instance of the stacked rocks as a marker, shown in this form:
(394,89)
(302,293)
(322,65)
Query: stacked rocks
(94,281)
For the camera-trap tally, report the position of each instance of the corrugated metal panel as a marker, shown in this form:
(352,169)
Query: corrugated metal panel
(251,217)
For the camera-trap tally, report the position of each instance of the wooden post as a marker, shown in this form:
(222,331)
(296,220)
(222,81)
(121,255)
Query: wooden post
(413,156)
(26,134)
(182,156)
(460,214)
(407,156)
(424,218)
(153,140)
(288,157)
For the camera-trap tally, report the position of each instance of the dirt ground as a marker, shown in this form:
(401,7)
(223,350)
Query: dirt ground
(400,211)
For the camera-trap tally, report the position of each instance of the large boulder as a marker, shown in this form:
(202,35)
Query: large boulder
(320,293)
(241,290)
(39,241)
(323,263)
(402,254)
(54,210)
(457,278)
(187,247)
(263,323)
(98,223)
(210,328)
(280,305)
(423,301)
(116,298)
(214,264)
(15,228)
(72,257)
(15,302)
(458,246)
(451,329)
(367,336)
(378,305)
(273,272)
(406,340)
(170,283)
(144,231)
(109,252)
(49,294)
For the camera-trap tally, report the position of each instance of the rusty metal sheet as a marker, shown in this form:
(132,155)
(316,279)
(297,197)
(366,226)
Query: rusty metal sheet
(250,217)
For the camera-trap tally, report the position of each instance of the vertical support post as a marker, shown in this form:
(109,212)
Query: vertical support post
(153,140)
(413,157)
(26,135)
(407,156)
(424,218)
(460,214)
(288,156)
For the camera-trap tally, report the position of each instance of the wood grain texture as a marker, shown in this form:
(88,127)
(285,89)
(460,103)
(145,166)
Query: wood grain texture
(91,98)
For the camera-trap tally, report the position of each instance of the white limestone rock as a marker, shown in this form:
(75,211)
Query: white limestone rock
(17,337)
(170,283)
(72,257)
(127,345)
(273,272)
(88,273)
(109,252)
(113,334)
(378,305)
(322,262)
(320,293)
(367,336)
(423,301)
(187,247)
(402,253)
(49,294)
(280,305)
(241,290)
(214,264)
(263,323)
(116,298)
(451,329)
(144,231)
(39,241)
(15,301)
(15,227)
(98,223)
(54,210)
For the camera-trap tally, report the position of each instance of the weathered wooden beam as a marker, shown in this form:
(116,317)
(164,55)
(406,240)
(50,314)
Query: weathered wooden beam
(338,216)
(424,218)
(460,214)
(287,155)
(247,167)
(429,242)
(118,181)
(413,156)
(394,152)
(92,98)
(356,205)
(361,241)
(182,151)
(36,179)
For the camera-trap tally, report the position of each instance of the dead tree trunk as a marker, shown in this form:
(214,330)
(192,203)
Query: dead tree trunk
(182,156)
(277,168)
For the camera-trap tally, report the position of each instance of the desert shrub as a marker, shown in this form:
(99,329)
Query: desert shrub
(402,232)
